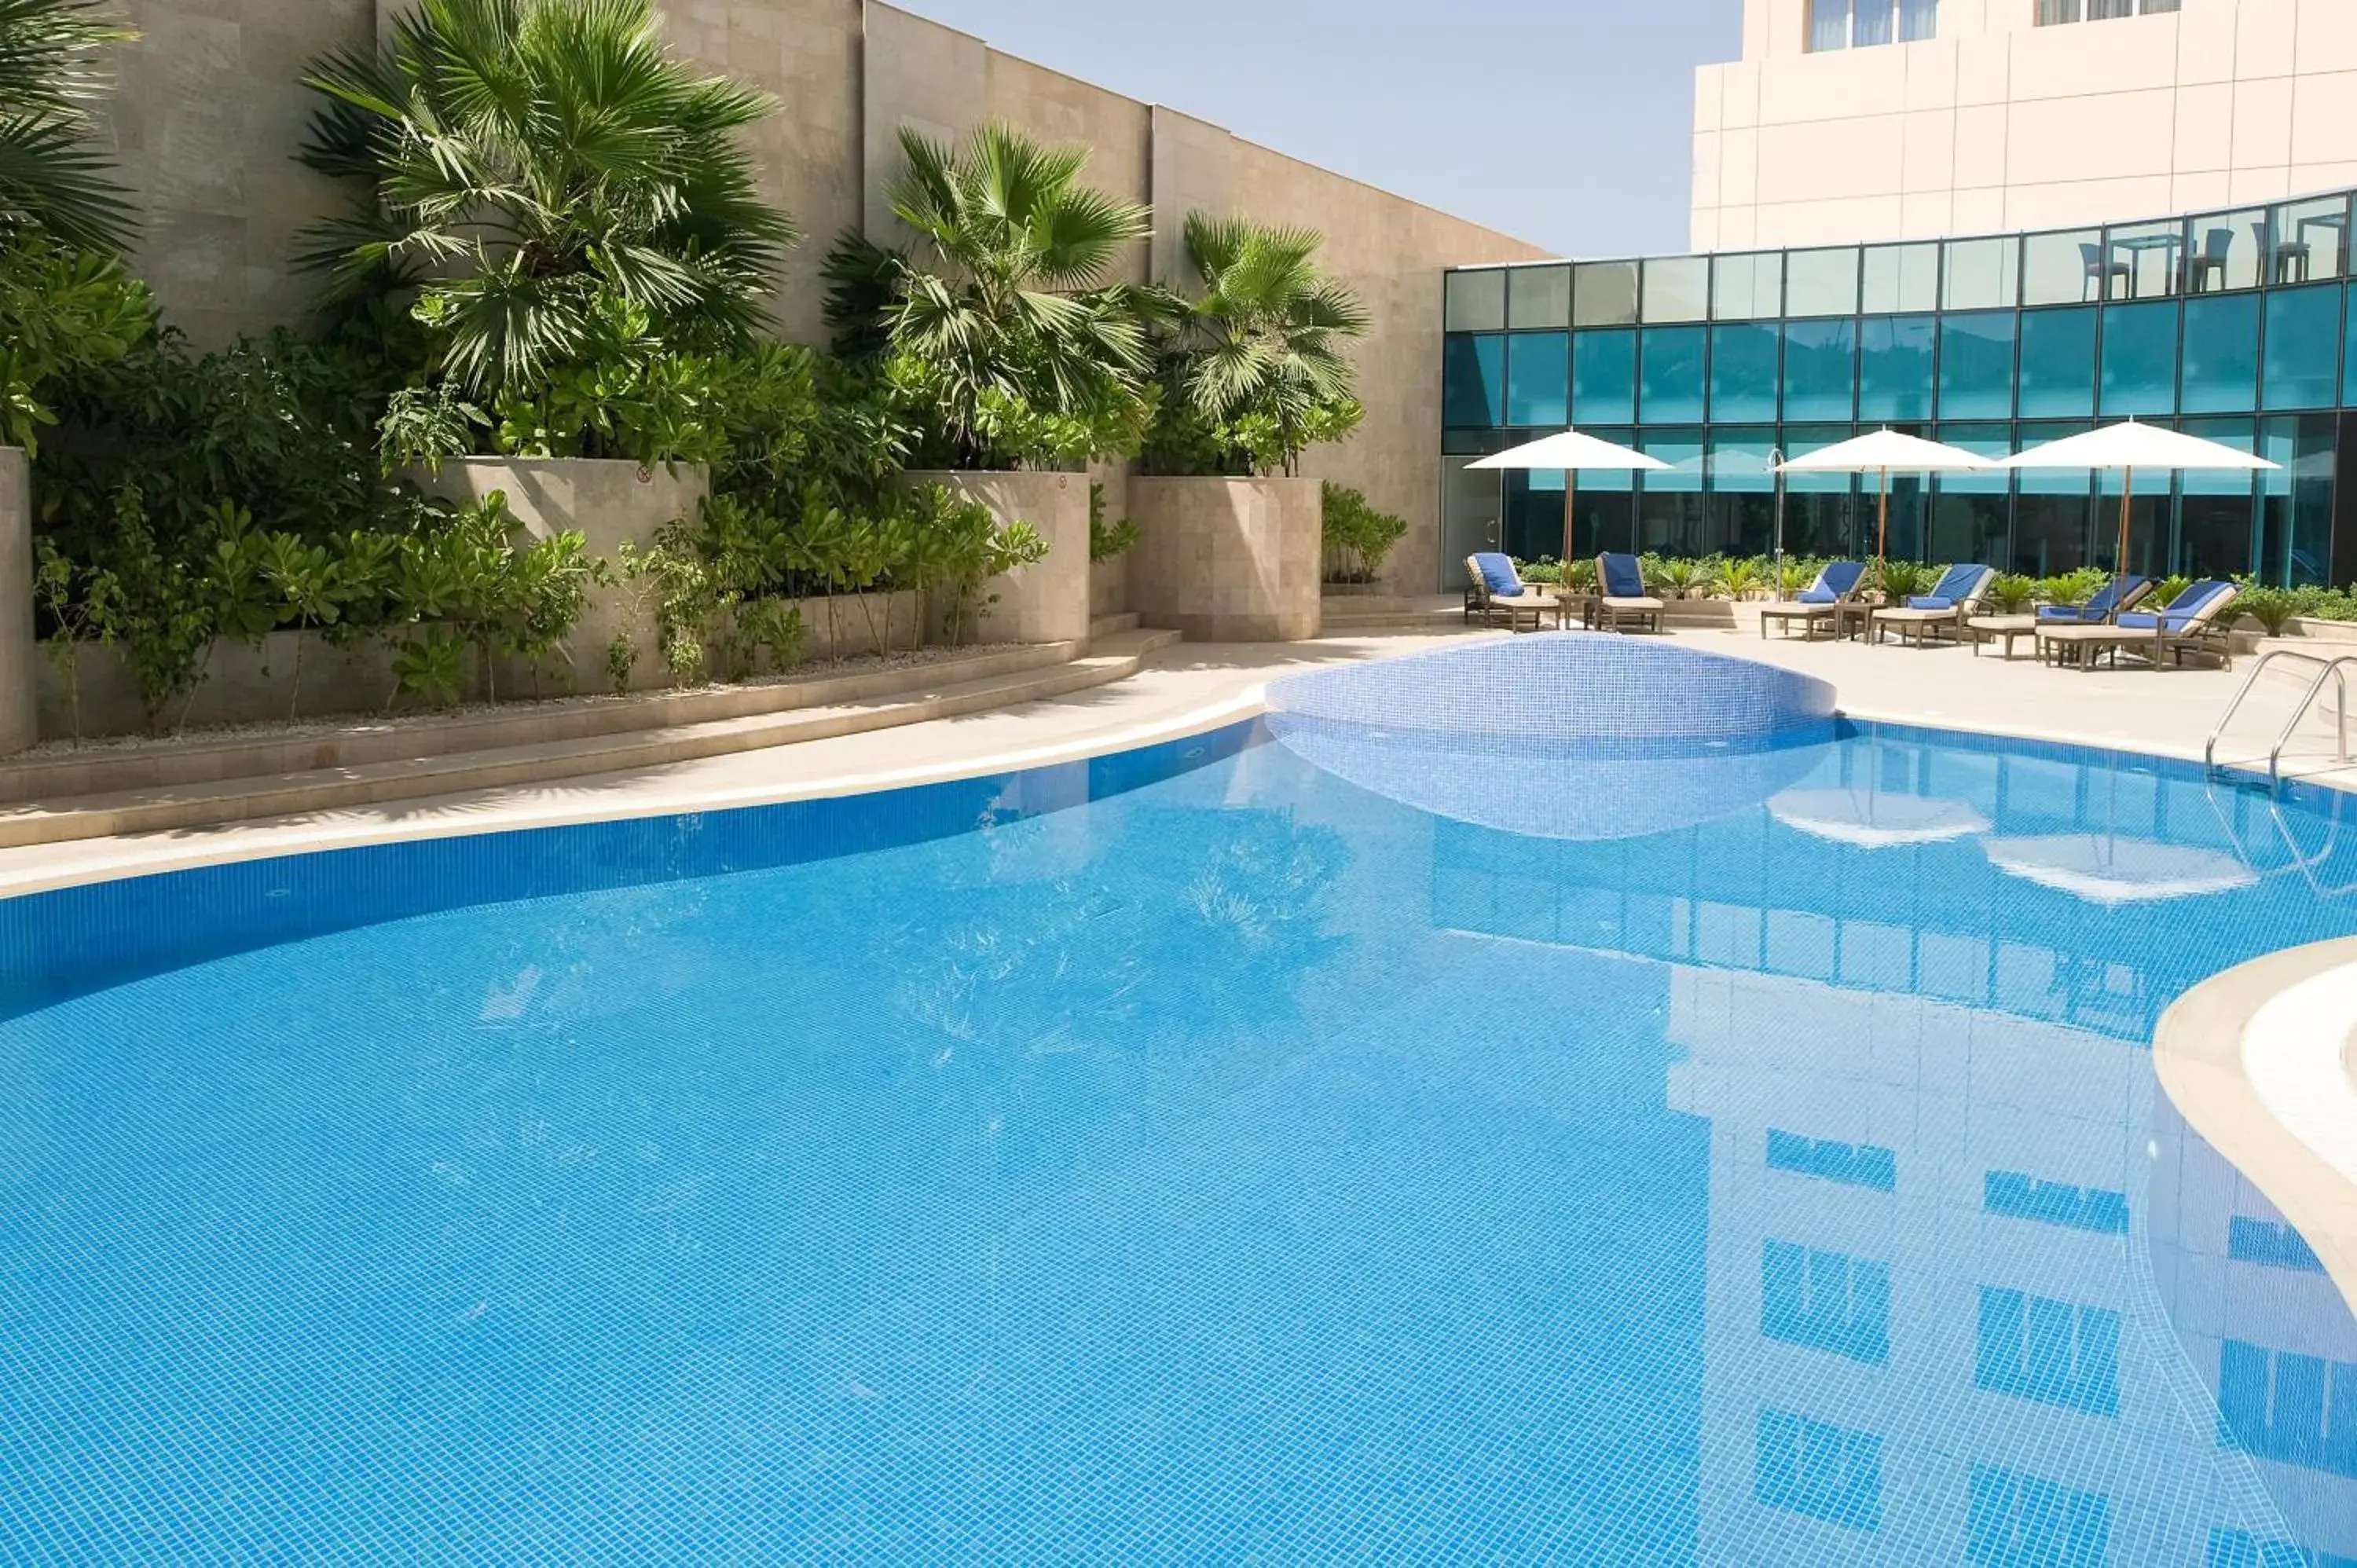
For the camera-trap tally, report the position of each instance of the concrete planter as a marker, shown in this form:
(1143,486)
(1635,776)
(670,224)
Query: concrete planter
(20,657)
(1109,586)
(1048,602)
(610,502)
(1228,560)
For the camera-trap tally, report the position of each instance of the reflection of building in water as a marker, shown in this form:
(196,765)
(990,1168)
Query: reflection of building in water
(1976,1293)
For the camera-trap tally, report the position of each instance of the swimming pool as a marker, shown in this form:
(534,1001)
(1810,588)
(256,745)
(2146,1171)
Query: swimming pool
(1193,1155)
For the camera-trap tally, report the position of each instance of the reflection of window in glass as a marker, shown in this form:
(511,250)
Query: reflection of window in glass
(1900,278)
(1604,378)
(2053,509)
(2066,268)
(1821,283)
(1825,1301)
(1983,274)
(1894,368)
(2058,363)
(2010,1516)
(1672,384)
(1820,370)
(1474,301)
(2303,368)
(2307,240)
(1977,365)
(1538,298)
(1818,1470)
(1677,288)
(2140,359)
(1743,370)
(2221,355)
(2281,1405)
(2297,496)
(1604,295)
(2054,1352)
(1972,512)
(1538,379)
(1671,517)
(1745,288)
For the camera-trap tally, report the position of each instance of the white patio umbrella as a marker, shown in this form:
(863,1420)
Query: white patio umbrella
(2106,869)
(2127,446)
(1867,819)
(1571,451)
(1878,453)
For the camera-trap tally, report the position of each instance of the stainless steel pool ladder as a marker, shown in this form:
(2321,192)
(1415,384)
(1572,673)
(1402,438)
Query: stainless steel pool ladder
(2334,669)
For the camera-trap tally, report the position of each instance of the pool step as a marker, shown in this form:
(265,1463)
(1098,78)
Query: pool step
(199,803)
(1112,626)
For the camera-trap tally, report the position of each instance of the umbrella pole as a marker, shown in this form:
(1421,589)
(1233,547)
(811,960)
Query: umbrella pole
(1882,522)
(1570,495)
(2120,567)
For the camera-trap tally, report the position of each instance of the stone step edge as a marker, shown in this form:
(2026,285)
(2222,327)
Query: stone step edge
(328,789)
(166,764)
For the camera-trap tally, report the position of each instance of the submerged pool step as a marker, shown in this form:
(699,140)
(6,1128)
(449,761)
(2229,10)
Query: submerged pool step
(201,804)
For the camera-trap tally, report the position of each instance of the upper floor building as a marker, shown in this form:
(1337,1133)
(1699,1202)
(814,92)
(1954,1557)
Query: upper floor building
(1863,120)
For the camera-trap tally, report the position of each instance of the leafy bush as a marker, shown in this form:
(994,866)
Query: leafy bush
(2271,607)
(1680,577)
(60,312)
(1738,579)
(1358,536)
(2073,589)
(1107,540)
(2166,591)
(2010,593)
(1546,571)
(1898,580)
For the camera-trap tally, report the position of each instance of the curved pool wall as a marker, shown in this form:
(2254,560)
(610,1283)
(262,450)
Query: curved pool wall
(1189,1156)
(1568,736)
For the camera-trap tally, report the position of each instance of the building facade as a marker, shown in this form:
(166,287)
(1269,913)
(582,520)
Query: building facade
(210,109)
(2228,322)
(1856,120)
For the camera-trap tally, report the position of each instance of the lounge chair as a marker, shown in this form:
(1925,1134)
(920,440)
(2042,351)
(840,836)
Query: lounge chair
(1955,599)
(2119,593)
(2193,622)
(1496,594)
(1838,585)
(1620,597)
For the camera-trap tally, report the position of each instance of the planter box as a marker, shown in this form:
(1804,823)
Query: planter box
(1109,588)
(1048,602)
(20,657)
(1228,560)
(610,502)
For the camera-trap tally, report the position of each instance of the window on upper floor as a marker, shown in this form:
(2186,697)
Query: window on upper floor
(1862,24)
(2051,13)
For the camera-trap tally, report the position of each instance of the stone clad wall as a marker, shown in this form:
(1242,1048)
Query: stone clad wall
(20,657)
(1228,560)
(1047,602)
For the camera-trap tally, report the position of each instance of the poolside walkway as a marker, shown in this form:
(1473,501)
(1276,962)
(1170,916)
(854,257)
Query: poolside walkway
(1192,688)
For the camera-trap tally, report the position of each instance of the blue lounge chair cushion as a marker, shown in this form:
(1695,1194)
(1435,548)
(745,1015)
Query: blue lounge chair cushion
(1930,601)
(2113,594)
(1623,579)
(1950,590)
(2181,612)
(1837,582)
(1819,597)
(1498,574)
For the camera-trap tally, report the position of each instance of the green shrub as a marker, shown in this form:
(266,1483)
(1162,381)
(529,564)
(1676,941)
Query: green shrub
(2271,607)
(1358,536)
(2010,593)
(1107,540)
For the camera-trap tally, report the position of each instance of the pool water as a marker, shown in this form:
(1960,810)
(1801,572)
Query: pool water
(1213,1161)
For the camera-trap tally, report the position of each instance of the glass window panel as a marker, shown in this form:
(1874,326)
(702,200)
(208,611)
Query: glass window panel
(1746,288)
(1474,301)
(1820,370)
(2217,510)
(1983,274)
(2051,12)
(1604,505)
(1977,365)
(1535,501)
(2063,269)
(1918,19)
(1669,513)
(2054,509)
(1474,443)
(1828,25)
(1972,514)
(2308,240)
(2349,355)
(2303,347)
(1743,370)
(2223,250)
(2221,355)
(1894,368)
(2140,359)
(1900,278)
(1821,283)
(2295,522)
(1604,378)
(1821,510)
(2058,363)
(1869,23)
(2145,260)
(1673,372)
(1538,379)
(1743,490)
(1469,516)
(1604,293)
(1677,288)
(1473,382)
(1538,298)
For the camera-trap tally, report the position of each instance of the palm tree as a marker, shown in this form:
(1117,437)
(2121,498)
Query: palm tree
(532,161)
(1004,317)
(1265,342)
(53,69)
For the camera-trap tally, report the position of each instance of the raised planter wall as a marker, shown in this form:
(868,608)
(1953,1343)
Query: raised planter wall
(1109,588)
(20,657)
(1047,602)
(610,502)
(1228,560)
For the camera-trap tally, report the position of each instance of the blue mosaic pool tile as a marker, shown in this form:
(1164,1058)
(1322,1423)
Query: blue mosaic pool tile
(2056,1352)
(2270,1245)
(2018,1196)
(2018,1520)
(1825,1471)
(1853,1164)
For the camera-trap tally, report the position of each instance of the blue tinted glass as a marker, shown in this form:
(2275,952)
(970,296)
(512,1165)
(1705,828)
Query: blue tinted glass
(1743,371)
(1473,382)
(2349,382)
(2222,354)
(1673,374)
(2140,359)
(2303,347)
(2058,363)
(1820,370)
(1894,367)
(1977,365)
(1604,378)
(1538,379)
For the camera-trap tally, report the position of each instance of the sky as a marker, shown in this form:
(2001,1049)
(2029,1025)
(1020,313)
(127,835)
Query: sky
(1566,122)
